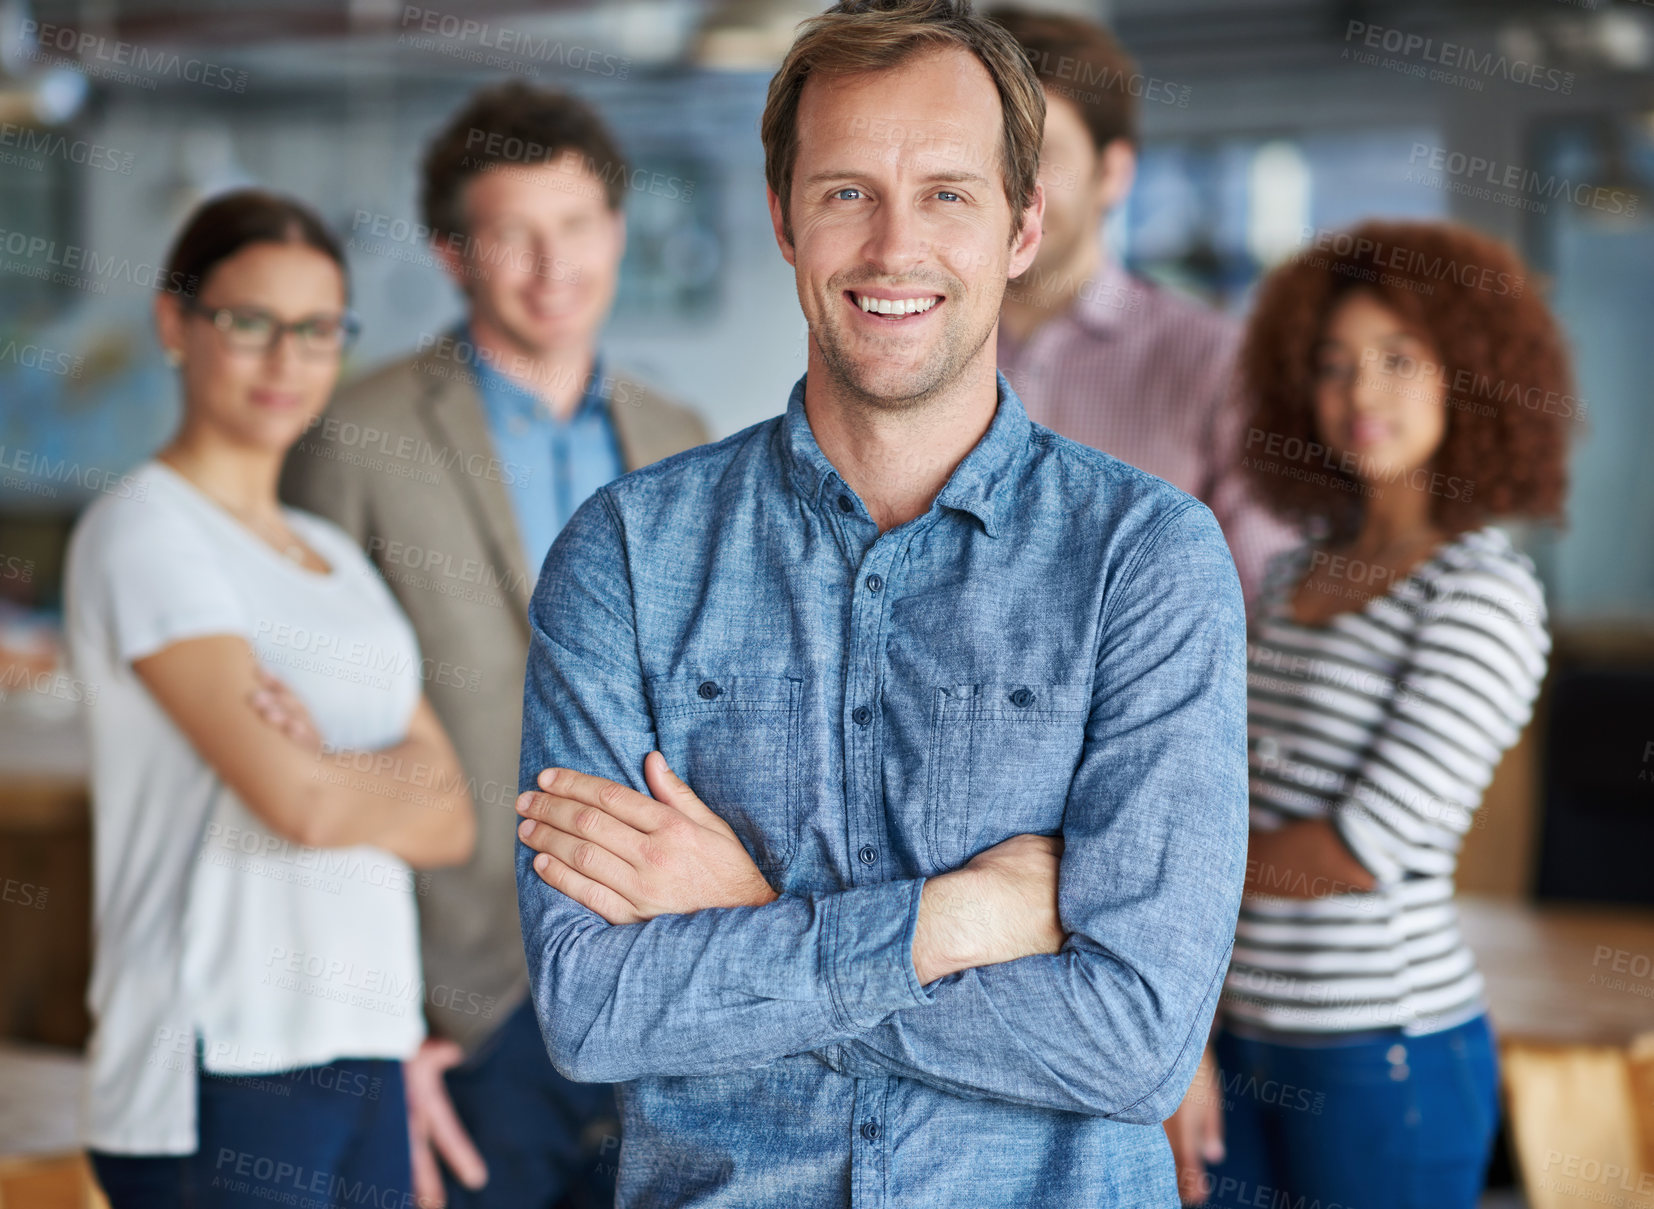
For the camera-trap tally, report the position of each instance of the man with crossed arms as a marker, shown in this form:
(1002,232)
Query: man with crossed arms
(939,911)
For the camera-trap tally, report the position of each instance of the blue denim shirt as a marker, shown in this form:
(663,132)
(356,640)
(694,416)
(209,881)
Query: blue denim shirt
(557,463)
(1056,645)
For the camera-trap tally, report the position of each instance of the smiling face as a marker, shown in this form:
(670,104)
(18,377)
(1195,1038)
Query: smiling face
(901,236)
(1377,395)
(542,256)
(250,397)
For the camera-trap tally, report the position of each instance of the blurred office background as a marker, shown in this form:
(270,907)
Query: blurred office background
(1271,119)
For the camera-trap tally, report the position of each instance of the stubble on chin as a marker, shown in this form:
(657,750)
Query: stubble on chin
(900,391)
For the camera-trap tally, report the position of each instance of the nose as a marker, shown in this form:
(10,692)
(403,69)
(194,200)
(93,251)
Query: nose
(896,243)
(1370,384)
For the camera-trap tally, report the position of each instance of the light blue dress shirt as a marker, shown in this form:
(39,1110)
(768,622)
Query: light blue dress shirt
(1056,645)
(554,464)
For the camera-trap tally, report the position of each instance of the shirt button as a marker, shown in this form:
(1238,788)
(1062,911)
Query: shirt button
(844,504)
(708,690)
(874,583)
(868,854)
(1022,698)
(862,715)
(870,1130)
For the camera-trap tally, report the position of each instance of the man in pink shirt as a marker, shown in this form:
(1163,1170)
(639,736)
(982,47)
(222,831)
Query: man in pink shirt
(1101,356)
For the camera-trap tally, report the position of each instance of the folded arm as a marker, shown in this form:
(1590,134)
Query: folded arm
(676,994)
(1154,848)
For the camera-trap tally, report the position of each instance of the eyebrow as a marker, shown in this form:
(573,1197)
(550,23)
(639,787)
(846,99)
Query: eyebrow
(947,178)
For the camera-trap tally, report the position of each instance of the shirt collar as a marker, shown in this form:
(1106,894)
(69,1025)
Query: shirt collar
(506,396)
(977,484)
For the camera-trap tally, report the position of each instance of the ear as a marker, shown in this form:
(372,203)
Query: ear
(1025,243)
(169,321)
(453,260)
(779,222)
(1116,172)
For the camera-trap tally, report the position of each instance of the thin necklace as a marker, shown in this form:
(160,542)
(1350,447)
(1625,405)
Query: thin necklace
(285,544)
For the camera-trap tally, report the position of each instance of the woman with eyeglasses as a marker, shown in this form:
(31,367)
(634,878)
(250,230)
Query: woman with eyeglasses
(266,773)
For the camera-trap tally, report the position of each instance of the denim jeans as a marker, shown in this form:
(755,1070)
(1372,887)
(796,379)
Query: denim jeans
(321,1136)
(547,1141)
(1388,1122)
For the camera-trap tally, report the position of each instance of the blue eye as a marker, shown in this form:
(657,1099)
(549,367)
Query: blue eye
(946,193)
(846,189)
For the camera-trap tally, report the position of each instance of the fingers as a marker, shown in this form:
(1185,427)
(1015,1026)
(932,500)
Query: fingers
(427,1176)
(589,857)
(669,789)
(449,1139)
(583,890)
(583,821)
(620,801)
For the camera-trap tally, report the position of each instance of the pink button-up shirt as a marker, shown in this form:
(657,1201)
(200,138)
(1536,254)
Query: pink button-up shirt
(1149,376)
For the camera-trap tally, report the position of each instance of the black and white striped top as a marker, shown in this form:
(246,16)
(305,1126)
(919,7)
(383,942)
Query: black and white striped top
(1388,721)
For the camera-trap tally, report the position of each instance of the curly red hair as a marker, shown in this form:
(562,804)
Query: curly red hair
(1499,353)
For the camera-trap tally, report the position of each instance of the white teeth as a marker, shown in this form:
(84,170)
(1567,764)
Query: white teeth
(895,306)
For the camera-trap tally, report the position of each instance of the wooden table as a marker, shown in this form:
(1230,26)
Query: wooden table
(1571,993)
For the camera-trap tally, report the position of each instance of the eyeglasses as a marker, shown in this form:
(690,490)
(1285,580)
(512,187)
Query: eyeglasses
(248,329)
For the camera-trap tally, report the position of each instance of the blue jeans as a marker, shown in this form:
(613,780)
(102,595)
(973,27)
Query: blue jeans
(1392,1122)
(546,1141)
(321,1137)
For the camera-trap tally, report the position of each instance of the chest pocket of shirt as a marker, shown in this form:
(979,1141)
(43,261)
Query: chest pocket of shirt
(735,741)
(1002,756)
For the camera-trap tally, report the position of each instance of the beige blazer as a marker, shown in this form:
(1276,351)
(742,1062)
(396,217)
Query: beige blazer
(404,463)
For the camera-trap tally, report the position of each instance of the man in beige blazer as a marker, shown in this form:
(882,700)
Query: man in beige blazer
(454,468)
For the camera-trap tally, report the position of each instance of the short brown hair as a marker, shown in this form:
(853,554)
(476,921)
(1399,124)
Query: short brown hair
(876,35)
(1082,61)
(513,123)
(1503,362)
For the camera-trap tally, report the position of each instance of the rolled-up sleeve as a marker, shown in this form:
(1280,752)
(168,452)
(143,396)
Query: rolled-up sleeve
(703,993)
(1150,883)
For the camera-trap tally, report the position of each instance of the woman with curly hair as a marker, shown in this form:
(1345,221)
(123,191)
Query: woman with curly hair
(1409,387)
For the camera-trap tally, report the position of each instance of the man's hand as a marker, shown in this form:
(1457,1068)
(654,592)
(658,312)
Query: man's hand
(629,857)
(1195,1131)
(434,1127)
(1000,905)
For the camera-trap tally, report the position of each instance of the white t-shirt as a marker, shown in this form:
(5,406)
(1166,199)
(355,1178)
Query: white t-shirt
(207,924)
